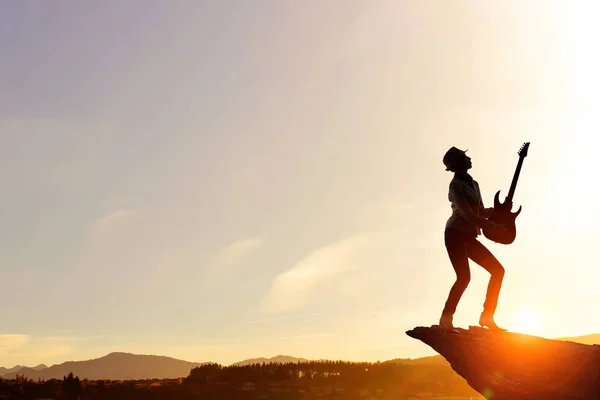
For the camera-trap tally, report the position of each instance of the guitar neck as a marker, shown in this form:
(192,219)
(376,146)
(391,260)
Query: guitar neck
(513,185)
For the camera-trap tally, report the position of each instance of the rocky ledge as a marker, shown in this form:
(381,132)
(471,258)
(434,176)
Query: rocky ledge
(515,366)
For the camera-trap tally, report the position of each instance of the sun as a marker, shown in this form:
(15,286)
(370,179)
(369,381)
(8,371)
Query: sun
(528,321)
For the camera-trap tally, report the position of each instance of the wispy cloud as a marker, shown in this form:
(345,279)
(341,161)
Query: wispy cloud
(386,209)
(27,349)
(110,242)
(292,288)
(70,338)
(10,343)
(110,220)
(230,256)
(108,232)
(395,215)
(284,317)
(235,251)
(308,336)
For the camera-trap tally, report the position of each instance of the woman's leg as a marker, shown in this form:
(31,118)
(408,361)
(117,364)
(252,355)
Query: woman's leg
(457,252)
(482,256)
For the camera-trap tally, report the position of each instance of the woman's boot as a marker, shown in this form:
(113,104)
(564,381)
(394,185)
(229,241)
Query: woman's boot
(487,320)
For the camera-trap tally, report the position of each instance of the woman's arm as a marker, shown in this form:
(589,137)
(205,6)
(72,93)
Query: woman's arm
(486,211)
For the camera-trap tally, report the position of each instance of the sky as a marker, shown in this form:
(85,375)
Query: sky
(220,180)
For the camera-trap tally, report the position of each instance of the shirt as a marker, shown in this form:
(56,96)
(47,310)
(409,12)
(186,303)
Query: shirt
(467,205)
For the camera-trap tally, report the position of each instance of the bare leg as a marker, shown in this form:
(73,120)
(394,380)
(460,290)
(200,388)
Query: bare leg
(456,245)
(482,256)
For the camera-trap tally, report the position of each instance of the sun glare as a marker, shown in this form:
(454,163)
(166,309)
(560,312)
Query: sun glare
(528,321)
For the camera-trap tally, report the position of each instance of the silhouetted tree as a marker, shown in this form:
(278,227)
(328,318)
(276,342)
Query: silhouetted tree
(72,387)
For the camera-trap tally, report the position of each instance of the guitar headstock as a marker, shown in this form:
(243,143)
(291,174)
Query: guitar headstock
(523,150)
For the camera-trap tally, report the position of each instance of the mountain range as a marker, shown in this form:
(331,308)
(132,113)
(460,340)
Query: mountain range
(127,366)
(113,366)
(17,368)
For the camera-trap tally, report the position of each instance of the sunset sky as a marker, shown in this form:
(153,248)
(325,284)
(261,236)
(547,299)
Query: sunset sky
(219,180)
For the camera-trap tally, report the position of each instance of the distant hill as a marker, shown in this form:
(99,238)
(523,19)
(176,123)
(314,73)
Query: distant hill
(277,359)
(114,366)
(125,366)
(593,338)
(428,361)
(17,368)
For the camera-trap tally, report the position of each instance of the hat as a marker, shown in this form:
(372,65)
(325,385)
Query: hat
(452,155)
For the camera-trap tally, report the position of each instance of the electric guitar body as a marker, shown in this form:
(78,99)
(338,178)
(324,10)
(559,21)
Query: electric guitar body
(502,213)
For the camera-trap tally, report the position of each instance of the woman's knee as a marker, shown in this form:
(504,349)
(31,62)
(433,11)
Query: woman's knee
(463,280)
(498,271)
(494,267)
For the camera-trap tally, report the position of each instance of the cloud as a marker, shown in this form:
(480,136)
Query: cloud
(54,339)
(230,256)
(111,243)
(284,317)
(107,233)
(292,288)
(10,343)
(387,209)
(234,252)
(308,336)
(398,216)
(30,350)
(111,220)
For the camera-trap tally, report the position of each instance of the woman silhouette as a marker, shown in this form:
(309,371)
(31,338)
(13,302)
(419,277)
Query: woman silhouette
(468,217)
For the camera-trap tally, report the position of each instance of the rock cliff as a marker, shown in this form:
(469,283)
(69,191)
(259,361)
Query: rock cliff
(515,366)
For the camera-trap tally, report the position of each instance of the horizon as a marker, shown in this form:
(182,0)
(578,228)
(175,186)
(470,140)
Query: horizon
(270,357)
(215,180)
(199,362)
(189,361)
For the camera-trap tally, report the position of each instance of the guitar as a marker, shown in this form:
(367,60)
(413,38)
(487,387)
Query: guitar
(502,213)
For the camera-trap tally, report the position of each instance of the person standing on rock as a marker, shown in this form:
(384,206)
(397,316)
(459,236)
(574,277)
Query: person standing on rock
(468,217)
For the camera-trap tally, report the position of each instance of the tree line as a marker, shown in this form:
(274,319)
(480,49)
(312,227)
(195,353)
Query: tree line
(394,377)
(295,381)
